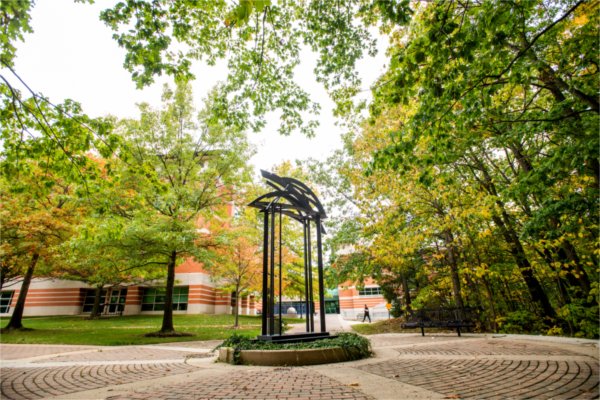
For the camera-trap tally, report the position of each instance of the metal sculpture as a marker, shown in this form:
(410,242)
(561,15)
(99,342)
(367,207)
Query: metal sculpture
(293,199)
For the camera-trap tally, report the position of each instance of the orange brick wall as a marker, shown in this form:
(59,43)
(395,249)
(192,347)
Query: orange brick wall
(51,297)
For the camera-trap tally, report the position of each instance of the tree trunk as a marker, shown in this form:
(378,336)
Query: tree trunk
(167,323)
(17,315)
(96,311)
(490,296)
(566,254)
(453,262)
(236,308)
(538,295)
(567,251)
(405,291)
(505,224)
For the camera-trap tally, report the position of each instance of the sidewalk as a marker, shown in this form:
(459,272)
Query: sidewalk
(405,366)
(333,322)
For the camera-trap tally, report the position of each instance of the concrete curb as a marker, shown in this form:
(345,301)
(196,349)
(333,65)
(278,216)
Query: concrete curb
(297,357)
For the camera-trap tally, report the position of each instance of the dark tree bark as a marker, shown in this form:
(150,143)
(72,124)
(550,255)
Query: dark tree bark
(16,319)
(536,291)
(452,257)
(167,323)
(96,311)
(405,291)
(566,254)
(236,308)
(505,224)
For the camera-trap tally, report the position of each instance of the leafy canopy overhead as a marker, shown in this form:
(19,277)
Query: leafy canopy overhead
(262,42)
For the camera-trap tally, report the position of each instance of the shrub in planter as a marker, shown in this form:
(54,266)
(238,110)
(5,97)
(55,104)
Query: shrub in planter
(355,346)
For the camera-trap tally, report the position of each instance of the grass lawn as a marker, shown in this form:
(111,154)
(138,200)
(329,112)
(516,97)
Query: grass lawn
(385,326)
(127,330)
(391,326)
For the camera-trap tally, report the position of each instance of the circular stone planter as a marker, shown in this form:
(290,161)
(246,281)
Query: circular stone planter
(286,357)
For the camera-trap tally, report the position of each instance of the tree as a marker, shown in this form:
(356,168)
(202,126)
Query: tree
(239,268)
(179,170)
(500,98)
(38,214)
(95,255)
(46,175)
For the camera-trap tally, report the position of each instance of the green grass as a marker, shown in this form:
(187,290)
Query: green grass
(127,330)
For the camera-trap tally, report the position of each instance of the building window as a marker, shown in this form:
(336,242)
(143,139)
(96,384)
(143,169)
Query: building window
(370,291)
(5,300)
(154,299)
(88,301)
(112,300)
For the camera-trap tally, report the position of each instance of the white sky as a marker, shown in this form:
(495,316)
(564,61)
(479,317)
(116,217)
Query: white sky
(71,54)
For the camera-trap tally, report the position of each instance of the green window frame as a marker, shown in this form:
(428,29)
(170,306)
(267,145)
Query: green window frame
(153,299)
(371,291)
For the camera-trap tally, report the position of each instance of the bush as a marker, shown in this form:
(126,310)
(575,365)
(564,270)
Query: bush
(356,346)
(581,319)
(521,321)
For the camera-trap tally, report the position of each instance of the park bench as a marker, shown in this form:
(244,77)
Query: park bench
(441,318)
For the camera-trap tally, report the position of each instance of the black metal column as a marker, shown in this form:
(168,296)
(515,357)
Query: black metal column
(272,280)
(320,272)
(280,275)
(297,201)
(265,302)
(306,297)
(310,283)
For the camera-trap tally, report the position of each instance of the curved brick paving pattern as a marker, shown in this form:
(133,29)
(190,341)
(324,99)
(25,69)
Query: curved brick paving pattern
(278,383)
(406,366)
(495,379)
(490,347)
(493,369)
(35,383)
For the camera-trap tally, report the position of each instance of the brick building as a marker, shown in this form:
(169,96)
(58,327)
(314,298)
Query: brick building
(194,293)
(353,300)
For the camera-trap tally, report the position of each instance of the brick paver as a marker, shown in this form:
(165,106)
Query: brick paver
(479,371)
(470,367)
(277,383)
(116,354)
(19,351)
(488,347)
(36,383)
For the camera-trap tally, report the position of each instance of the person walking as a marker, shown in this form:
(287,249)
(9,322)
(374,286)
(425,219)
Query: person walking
(366,314)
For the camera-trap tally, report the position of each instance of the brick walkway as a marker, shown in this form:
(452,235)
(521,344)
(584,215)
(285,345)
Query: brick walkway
(278,383)
(405,366)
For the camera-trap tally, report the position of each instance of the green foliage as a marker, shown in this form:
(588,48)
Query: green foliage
(582,317)
(176,170)
(262,41)
(475,179)
(397,309)
(521,321)
(356,346)
(14,23)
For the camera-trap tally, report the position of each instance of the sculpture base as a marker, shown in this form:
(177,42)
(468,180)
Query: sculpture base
(295,338)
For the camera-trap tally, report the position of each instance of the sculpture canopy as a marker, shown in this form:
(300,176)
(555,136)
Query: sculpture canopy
(302,203)
(294,199)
